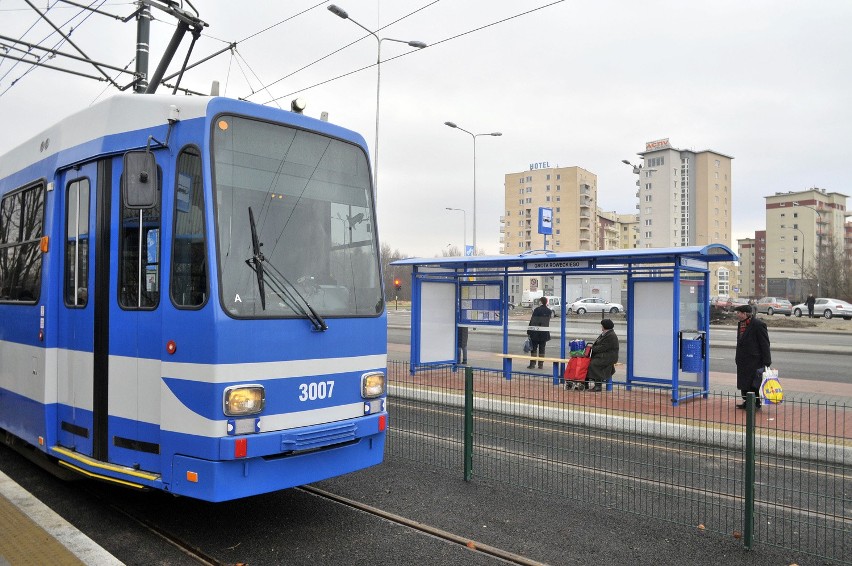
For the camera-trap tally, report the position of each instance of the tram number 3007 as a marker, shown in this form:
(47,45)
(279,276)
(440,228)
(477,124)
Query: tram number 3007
(316,390)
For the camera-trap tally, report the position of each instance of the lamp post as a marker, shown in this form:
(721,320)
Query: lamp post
(464,226)
(418,44)
(473,137)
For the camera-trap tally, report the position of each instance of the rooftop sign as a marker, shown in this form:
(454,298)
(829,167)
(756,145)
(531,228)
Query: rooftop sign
(657,144)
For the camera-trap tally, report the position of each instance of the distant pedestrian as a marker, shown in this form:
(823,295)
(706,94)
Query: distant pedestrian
(538,338)
(604,356)
(810,302)
(462,343)
(752,352)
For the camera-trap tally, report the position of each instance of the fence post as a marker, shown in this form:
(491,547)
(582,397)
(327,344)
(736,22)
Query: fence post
(468,423)
(748,527)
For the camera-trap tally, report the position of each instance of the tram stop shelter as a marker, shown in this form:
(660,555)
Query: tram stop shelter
(667,310)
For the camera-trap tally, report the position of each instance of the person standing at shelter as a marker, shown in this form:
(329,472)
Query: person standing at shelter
(810,302)
(604,356)
(752,352)
(539,338)
(462,339)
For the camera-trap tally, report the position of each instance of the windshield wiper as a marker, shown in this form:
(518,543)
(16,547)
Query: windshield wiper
(256,261)
(279,283)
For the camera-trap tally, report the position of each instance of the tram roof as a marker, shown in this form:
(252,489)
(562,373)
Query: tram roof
(706,254)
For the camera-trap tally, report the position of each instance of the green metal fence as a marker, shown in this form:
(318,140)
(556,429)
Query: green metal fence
(779,475)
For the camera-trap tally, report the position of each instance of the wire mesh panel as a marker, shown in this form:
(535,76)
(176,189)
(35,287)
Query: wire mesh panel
(631,449)
(426,415)
(803,495)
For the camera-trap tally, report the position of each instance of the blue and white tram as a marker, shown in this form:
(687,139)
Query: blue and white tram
(191,297)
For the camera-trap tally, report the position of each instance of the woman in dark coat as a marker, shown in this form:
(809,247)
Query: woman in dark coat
(539,338)
(752,352)
(604,355)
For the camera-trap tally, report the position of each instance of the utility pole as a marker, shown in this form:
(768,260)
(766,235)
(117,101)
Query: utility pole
(143,37)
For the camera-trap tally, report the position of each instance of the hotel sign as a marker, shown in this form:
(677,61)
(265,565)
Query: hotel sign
(540,165)
(657,144)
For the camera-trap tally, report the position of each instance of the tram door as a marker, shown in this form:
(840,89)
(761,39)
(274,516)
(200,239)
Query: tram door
(130,393)
(77,191)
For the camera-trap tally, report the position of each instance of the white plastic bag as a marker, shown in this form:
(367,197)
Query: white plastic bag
(771,391)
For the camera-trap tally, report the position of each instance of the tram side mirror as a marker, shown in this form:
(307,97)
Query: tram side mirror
(140,180)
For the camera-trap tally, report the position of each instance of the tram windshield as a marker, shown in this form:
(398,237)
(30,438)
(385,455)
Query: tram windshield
(312,217)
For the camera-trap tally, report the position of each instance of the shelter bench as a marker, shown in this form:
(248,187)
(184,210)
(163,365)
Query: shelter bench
(557,364)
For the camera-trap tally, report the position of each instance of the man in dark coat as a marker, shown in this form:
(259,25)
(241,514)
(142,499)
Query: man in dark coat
(539,338)
(604,355)
(810,302)
(752,352)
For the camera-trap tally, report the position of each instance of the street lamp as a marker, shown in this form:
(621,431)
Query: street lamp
(473,137)
(418,44)
(464,226)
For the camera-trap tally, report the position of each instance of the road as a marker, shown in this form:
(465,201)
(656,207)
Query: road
(800,354)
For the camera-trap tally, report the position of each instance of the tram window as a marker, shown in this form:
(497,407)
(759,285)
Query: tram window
(189,251)
(77,243)
(21,229)
(139,262)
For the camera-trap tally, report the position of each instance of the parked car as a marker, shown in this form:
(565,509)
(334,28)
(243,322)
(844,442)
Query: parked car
(827,308)
(775,305)
(721,302)
(734,303)
(594,304)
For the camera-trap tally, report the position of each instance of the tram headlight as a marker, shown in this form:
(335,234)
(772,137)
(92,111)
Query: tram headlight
(372,384)
(243,400)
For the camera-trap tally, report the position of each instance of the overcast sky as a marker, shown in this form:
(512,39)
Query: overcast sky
(574,83)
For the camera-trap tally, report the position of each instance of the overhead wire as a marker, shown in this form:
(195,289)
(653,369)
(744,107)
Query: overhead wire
(338,51)
(107,87)
(445,40)
(56,46)
(240,55)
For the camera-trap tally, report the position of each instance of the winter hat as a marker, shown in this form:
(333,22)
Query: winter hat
(607,324)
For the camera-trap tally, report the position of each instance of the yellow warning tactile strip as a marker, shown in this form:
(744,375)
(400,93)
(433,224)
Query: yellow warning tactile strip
(32,533)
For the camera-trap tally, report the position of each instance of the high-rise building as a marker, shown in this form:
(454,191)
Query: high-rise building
(684,197)
(572,194)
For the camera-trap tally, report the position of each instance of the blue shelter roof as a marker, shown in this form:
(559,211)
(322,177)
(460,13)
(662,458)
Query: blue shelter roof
(708,253)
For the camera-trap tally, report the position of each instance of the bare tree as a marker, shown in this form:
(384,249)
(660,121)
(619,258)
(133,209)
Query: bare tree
(831,275)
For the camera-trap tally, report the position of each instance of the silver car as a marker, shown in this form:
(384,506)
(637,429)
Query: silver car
(775,305)
(594,304)
(827,308)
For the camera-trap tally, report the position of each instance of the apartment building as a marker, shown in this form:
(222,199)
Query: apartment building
(572,194)
(745,283)
(800,226)
(618,231)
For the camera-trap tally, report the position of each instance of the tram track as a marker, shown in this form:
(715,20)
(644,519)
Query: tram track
(471,544)
(191,551)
